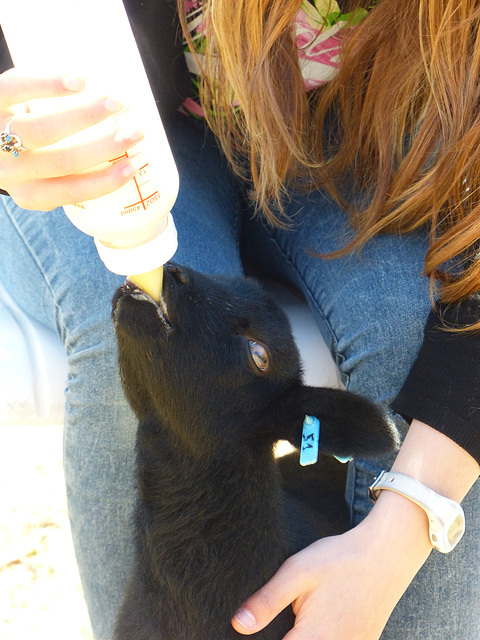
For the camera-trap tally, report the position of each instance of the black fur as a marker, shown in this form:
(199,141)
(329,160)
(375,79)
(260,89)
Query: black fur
(217,515)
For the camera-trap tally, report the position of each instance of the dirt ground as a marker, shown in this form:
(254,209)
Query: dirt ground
(40,591)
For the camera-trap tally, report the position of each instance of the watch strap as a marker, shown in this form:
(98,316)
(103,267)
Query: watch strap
(446,518)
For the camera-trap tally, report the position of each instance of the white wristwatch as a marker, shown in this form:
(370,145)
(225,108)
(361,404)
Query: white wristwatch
(446,518)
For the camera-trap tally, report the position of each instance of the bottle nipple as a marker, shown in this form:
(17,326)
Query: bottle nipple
(150,282)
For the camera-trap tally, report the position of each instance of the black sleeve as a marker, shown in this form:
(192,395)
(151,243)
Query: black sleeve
(5,59)
(443,387)
(158,34)
(5,63)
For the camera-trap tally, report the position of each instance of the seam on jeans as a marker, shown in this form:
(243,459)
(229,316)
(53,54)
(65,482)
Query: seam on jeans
(312,302)
(58,313)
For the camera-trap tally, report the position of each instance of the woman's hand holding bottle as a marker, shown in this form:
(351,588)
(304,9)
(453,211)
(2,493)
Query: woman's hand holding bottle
(44,177)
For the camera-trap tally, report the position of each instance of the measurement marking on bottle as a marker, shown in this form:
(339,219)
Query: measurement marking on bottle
(124,155)
(144,201)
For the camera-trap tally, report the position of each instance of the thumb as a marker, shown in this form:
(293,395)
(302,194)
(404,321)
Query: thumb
(261,608)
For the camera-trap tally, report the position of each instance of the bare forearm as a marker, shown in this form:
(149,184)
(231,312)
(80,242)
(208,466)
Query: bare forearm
(399,525)
(437,462)
(432,458)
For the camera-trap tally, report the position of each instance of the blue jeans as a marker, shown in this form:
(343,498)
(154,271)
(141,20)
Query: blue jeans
(370,308)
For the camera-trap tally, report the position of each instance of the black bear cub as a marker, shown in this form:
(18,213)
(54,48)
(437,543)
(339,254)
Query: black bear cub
(214,377)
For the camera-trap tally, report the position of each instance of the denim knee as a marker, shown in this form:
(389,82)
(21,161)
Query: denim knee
(370,307)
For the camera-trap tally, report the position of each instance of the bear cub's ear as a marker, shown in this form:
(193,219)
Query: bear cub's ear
(350,425)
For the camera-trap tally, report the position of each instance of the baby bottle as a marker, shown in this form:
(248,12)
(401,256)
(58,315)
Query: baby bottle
(133,228)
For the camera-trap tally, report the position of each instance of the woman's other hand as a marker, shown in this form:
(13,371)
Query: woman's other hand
(44,177)
(345,587)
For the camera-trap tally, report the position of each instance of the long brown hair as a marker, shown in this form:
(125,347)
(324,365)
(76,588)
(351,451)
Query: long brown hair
(406,111)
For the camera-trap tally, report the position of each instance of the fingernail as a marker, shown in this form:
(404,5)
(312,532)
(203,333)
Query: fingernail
(131,170)
(113,105)
(129,136)
(72,82)
(246,619)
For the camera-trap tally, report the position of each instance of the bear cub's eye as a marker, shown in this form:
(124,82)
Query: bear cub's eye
(259,355)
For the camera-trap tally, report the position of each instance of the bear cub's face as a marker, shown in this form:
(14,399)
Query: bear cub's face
(215,347)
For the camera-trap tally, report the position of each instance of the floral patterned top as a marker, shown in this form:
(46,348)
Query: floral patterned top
(318,26)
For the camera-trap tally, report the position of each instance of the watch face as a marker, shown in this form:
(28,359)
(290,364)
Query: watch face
(455,531)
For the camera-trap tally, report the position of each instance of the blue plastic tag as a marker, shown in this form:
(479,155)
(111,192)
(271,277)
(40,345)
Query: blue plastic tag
(310,441)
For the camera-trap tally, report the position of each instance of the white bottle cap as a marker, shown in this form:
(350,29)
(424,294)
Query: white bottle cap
(142,258)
